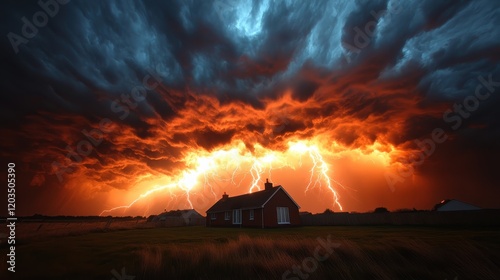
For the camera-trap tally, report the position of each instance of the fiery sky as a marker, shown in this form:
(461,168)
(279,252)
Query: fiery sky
(350,105)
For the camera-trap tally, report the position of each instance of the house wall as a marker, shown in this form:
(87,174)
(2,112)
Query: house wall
(245,219)
(220,221)
(256,222)
(280,199)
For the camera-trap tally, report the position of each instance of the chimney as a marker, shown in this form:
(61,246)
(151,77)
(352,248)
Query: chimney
(267,185)
(224,196)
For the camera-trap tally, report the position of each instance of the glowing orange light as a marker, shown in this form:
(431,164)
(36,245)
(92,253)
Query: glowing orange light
(232,163)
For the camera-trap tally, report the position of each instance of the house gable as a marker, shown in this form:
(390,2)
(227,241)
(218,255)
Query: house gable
(280,188)
(274,208)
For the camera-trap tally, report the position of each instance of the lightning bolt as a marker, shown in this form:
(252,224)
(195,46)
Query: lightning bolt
(322,167)
(146,194)
(255,171)
(234,159)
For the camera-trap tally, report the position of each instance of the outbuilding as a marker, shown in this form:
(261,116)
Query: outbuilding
(454,205)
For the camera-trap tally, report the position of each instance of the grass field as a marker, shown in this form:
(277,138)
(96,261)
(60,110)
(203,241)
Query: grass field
(223,253)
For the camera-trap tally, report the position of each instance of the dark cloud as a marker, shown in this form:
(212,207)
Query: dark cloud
(256,71)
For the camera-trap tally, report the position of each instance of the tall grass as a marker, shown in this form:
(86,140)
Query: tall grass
(267,258)
(219,259)
(92,250)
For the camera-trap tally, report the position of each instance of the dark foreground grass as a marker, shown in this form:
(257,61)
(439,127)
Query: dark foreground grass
(221,253)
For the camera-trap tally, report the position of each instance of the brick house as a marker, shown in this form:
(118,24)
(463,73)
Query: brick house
(271,207)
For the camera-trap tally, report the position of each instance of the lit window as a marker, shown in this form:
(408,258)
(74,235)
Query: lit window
(283,216)
(251,214)
(237,216)
(227,216)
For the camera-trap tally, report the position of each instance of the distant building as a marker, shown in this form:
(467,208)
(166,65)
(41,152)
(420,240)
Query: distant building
(271,207)
(454,205)
(187,217)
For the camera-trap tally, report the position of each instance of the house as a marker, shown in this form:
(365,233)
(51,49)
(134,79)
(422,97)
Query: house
(271,207)
(454,205)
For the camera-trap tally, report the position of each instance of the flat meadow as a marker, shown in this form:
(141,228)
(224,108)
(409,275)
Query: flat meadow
(82,250)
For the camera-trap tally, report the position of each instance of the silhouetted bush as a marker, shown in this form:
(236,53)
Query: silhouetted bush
(380,210)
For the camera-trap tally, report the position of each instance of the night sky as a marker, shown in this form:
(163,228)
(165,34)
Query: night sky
(350,105)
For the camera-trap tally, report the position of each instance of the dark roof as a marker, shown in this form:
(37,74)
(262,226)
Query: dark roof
(446,201)
(245,201)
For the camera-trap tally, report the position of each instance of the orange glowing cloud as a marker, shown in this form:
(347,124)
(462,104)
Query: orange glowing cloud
(209,146)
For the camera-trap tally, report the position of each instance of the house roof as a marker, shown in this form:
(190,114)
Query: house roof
(454,205)
(247,201)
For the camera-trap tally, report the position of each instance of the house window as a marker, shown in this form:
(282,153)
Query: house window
(283,216)
(251,214)
(237,216)
(213,216)
(227,215)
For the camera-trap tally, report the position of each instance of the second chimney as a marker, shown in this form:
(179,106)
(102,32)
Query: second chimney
(267,185)
(225,196)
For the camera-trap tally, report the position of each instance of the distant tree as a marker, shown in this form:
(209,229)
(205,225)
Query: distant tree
(151,218)
(328,211)
(380,210)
